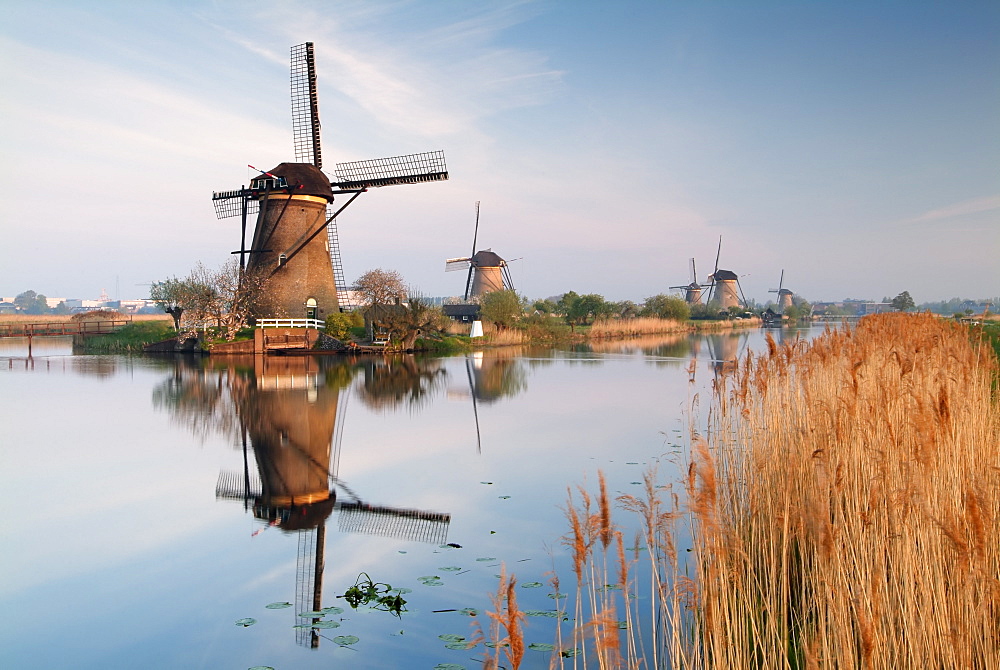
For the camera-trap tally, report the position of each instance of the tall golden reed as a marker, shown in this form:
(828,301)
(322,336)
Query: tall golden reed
(846,506)
(844,510)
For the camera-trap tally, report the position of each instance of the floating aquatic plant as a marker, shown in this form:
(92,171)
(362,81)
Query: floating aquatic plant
(277,606)
(326,624)
(377,595)
(346,640)
(246,622)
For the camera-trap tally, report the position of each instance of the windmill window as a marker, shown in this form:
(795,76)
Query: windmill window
(282,259)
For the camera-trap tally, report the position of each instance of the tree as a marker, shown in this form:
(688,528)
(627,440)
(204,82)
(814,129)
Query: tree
(30,302)
(408,320)
(663,306)
(545,306)
(242,295)
(626,309)
(903,302)
(380,287)
(197,295)
(501,308)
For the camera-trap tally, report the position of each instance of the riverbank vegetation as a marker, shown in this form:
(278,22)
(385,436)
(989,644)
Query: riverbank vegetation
(842,510)
(130,338)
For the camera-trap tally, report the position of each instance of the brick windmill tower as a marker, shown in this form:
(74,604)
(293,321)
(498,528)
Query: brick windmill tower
(487,270)
(725,288)
(295,244)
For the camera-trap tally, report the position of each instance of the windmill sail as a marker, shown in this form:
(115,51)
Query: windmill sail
(305,106)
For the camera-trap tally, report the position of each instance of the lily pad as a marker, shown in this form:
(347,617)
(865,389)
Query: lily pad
(504,497)
(485,482)
(553,614)
(569,653)
(623,625)
(450,568)
(326,624)
(277,606)
(315,614)
(541,646)
(432,580)
(401,590)
(449,666)
(451,637)
(469,611)
(531,585)
(494,645)
(262,667)
(246,622)
(344,640)
(486,558)
(457,645)
(557,596)
(332,610)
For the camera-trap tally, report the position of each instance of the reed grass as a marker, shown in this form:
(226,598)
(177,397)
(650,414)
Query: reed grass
(843,509)
(636,327)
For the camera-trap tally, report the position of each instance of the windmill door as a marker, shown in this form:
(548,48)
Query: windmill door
(311,311)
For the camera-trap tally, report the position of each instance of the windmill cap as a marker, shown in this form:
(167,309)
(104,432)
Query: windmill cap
(302,179)
(725,275)
(487,259)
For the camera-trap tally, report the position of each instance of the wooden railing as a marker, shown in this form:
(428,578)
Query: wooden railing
(290,323)
(61,328)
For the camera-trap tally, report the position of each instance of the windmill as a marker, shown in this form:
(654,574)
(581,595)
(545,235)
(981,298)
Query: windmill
(725,287)
(293,206)
(692,291)
(784,295)
(487,271)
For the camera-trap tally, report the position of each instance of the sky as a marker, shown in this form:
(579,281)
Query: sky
(853,145)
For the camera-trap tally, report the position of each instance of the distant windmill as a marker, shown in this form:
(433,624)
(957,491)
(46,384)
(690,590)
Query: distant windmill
(487,271)
(692,291)
(725,287)
(784,295)
(292,204)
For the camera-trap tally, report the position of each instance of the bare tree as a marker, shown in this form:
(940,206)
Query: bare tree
(243,295)
(380,287)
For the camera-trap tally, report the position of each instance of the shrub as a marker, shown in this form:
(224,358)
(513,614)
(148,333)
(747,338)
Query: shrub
(341,324)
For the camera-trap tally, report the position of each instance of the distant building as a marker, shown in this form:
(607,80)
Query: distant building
(463,313)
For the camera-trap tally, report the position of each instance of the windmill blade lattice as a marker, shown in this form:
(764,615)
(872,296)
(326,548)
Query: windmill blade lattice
(305,106)
(408,169)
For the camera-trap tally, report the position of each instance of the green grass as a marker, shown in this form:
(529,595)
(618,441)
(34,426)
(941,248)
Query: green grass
(130,338)
(449,344)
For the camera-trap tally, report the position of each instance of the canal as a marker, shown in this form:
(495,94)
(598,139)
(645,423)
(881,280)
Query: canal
(186,512)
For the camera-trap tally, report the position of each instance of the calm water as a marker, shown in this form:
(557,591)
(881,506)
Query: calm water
(150,503)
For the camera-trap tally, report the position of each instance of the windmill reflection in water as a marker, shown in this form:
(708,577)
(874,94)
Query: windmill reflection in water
(292,411)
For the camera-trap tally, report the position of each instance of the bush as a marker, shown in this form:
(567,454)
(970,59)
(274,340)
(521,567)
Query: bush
(341,324)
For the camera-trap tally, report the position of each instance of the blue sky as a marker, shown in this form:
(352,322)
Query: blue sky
(856,145)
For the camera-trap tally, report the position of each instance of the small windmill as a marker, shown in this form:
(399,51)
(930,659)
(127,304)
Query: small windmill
(487,270)
(725,287)
(692,291)
(292,203)
(784,295)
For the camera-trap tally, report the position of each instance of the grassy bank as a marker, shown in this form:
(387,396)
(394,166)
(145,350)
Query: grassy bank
(843,511)
(128,339)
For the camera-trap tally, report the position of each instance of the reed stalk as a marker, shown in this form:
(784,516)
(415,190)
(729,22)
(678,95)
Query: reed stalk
(844,510)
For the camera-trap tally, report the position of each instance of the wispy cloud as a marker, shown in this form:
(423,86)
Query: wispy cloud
(958,209)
